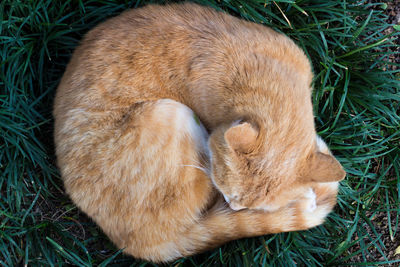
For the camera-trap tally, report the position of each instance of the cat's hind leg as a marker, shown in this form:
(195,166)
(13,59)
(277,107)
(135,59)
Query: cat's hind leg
(160,170)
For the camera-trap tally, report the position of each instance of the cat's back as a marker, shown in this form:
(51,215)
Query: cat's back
(158,52)
(156,48)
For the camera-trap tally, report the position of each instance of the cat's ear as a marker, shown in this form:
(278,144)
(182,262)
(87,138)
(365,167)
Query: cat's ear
(324,168)
(241,137)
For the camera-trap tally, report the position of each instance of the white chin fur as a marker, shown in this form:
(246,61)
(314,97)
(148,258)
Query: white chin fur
(236,207)
(226,199)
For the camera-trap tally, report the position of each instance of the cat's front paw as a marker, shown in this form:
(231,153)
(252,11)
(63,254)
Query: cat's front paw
(310,200)
(315,206)
(309,211)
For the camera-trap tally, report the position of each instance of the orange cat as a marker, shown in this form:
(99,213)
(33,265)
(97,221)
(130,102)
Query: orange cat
(136,159)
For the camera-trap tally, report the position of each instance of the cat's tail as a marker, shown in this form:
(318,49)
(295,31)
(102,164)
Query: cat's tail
(221,224)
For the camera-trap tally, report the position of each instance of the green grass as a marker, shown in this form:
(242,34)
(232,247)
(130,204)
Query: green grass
(357,111)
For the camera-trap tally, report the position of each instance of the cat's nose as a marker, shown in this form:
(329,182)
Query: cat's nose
(236,206)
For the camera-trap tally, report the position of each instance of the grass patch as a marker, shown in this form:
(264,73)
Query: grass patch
(356,102)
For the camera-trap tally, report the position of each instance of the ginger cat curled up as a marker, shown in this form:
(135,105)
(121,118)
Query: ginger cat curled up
(134,156)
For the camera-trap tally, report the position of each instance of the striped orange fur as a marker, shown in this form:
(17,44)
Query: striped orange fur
(135,156)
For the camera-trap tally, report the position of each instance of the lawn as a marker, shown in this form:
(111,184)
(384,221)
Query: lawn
(356,100)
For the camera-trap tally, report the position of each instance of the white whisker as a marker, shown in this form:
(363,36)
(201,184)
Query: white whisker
(197,167)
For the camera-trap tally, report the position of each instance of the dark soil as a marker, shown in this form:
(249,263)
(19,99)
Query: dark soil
(390,243)
(393,13)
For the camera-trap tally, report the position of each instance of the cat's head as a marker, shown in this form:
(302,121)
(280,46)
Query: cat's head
(252,172)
